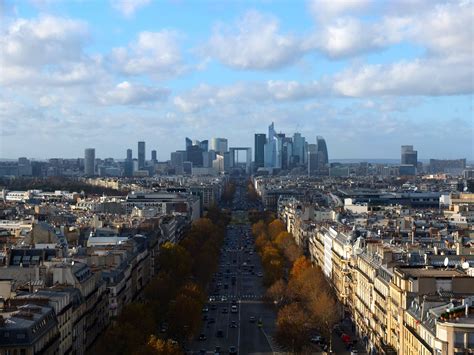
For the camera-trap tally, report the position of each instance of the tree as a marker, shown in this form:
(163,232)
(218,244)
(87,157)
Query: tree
(292,252)
(299,266)
(307,286)
(275,228)
(259,228)
(157,346)
(283,240)
(174,259)
(131,330)
(185,311)
(277,291)
(293,326)
(163,287)
(324,313)
(274,270)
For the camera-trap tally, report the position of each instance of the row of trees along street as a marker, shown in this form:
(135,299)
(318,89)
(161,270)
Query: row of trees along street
(303,296)
(170,312)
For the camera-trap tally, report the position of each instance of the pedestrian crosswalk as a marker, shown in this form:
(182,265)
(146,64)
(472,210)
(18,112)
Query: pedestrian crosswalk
(249,296)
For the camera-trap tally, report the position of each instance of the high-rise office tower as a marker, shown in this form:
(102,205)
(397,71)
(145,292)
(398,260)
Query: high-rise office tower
(279,156)
(128,167)
(409,156)
(188,142)
(219,145)
(298,149)
(322,149)
(312,159)
(270,150)
(208,158)
(204,145)
(141,155)
(89,162)
(194,155)
(260,140)
(153,156)
(177,158)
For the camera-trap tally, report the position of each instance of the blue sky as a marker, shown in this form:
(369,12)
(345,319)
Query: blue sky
(367,75)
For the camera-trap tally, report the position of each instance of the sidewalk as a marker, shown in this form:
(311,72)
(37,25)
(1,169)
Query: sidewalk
(339,347)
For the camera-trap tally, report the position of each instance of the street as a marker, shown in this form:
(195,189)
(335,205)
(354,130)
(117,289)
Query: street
(236,319)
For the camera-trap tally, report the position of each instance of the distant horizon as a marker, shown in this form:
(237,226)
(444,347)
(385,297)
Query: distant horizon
(335,160)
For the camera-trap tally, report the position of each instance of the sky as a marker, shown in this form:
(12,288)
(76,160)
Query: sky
(368,76)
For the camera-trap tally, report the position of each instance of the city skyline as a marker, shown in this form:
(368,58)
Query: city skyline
(363,74)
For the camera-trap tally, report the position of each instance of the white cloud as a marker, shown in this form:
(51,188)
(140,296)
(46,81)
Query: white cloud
(420,77)
(126,93)
(128,7)
(253,43)
(327,9)
(154,53)
(248,93)
(45,40)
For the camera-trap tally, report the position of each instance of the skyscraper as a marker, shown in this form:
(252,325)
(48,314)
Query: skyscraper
(298,149)
(194,155)
(270,150)
(153,156)
(312,159)
(204,145)
(188,142)
(219,145)
(141,155)
(128,167)
(323,159)
(408,155)
(260,140)
(89,162)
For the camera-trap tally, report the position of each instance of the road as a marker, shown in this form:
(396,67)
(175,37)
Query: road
(248,329)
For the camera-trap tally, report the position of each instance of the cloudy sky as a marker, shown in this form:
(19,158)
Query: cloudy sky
(369,76)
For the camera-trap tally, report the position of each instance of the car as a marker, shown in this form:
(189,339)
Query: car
(234,309)
(260,323)
(213,306)
(211,320)
(202,337)
(224,299)
(316,339)
(354,352)
(219,333)
(217,350)
(205,309)
(252,319)
(232,350)
(225,310)
(260,274)
(204,317)
(233,324)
